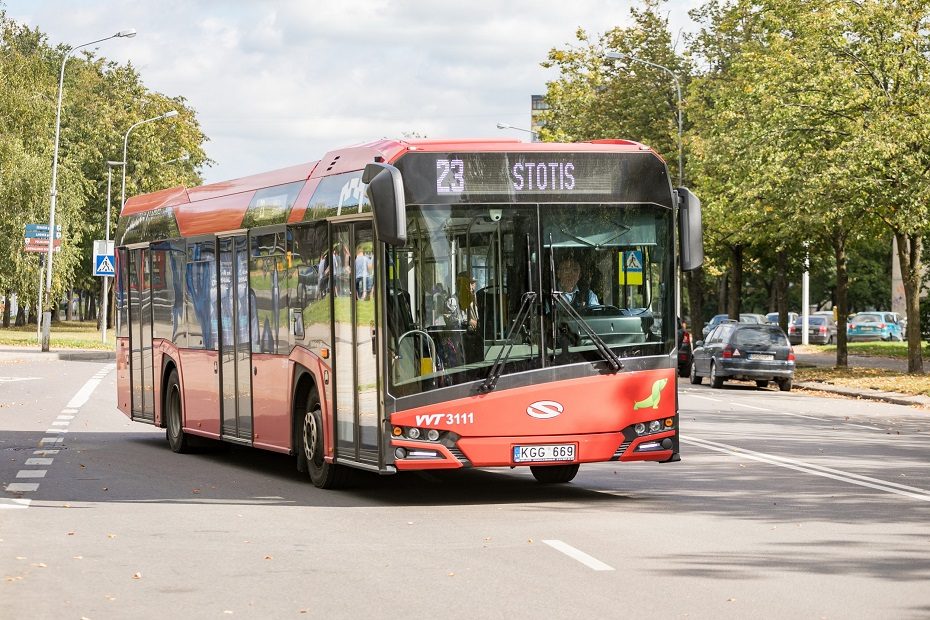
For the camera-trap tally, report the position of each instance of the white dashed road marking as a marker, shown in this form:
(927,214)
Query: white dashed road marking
(575,554)
(53,438)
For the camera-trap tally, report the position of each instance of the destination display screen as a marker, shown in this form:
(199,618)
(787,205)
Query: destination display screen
(534,177)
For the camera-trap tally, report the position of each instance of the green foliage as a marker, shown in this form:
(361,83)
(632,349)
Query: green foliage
(101,100)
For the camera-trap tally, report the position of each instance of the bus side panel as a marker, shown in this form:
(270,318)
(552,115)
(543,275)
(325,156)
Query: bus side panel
(271,397)
(123,390)
(322,373)
(200,387)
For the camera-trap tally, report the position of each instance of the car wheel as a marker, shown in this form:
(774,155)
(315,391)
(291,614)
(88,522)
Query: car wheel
(554,474)
(784,385)
(323,475)
(762,384)
(684,371)
(716,381)
(174,416)
(695,378)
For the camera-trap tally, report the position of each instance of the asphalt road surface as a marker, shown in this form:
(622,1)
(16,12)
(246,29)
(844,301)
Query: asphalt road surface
(785,505)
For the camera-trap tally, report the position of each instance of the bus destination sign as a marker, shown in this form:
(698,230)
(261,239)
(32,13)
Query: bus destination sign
(524,177)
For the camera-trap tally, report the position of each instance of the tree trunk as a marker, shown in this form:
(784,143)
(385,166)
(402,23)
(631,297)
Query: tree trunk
(909,250)
(69,313)
(21,315)
(735,286)
(722,294)
(6,309)
(842,302)
(91,306)
(781,290)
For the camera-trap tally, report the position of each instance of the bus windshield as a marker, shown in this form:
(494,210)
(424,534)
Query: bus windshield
(454,290)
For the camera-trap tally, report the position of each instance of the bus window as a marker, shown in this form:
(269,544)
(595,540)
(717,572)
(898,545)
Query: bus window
(267,294)
(200,299)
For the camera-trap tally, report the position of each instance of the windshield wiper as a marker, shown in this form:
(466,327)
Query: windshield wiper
(498,367)
(624,229)
(606,352)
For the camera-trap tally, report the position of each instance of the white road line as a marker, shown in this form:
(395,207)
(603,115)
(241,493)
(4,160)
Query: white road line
(61,423)
(34,461)
(21,487)
(72,411)
(871,428)
(575,554)
(815,470)
(65,417)
(48,440)
(46,452)
(801,415)
(749,406)
(13,503)
(716,400)
(31,473)
(52,431)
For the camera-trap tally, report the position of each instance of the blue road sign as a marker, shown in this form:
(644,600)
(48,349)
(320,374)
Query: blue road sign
(40,231)
(103,265)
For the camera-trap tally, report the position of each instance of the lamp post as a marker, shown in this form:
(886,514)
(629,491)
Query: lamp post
(47,316)
(184,157)
(168,114)
(529,131)
(619,56)
(104,304)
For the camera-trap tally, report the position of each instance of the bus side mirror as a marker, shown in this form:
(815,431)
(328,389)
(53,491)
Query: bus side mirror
(691,232)
(386,193)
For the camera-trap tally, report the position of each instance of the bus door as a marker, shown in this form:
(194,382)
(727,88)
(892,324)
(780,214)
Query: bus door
(139,277)
(357,407)
(235,345)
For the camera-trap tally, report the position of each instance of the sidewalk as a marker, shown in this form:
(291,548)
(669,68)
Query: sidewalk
(10,352)
(860,361)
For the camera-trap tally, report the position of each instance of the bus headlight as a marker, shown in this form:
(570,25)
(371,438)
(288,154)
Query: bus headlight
(432,434)
(654,426)
(640,428)
(413,433)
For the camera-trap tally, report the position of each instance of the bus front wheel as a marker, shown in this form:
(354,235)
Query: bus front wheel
(177,439)
(554,474)
(323,475)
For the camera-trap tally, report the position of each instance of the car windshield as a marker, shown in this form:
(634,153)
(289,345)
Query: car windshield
(456,288)
(813,320)
(867,318)
(759,336)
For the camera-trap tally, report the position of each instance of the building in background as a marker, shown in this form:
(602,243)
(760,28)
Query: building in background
(537,106)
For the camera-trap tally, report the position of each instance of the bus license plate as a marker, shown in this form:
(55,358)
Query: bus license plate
(544,453)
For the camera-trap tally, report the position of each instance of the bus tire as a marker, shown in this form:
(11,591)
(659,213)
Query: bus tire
(323,475)
(174,416)
(554,474)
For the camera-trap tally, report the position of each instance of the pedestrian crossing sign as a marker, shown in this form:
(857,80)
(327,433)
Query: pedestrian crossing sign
(631,268)
(104,260)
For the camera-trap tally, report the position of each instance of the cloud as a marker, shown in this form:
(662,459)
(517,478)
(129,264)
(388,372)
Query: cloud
(280,83)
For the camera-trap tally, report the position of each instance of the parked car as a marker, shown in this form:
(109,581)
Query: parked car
(772,317)
(874,326)
(717,319)
(684,351)
(821,329)
(759,353)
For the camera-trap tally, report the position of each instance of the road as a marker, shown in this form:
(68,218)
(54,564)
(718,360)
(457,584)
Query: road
(785,505)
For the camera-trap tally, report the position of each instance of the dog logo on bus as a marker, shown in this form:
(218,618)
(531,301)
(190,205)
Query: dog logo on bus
(544,409)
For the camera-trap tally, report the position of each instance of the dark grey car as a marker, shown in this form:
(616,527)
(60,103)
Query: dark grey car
(759,353)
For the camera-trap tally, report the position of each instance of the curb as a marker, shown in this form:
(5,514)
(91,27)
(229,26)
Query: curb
(82,355)
(876,395)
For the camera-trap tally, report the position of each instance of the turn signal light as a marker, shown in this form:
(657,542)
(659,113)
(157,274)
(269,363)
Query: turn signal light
(669,422)
(790,355)
(397,431)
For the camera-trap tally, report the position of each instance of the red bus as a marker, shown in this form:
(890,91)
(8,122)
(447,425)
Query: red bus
(414,305)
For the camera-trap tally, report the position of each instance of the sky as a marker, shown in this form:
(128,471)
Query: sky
(276,84)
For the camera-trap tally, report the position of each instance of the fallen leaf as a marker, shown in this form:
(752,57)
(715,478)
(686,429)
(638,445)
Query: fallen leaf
(70,533)
(79,557)
(40,565)
(731,600)
(195,491)
(452,574)
(268,557)
(111,535)
(137,575)
(106,489)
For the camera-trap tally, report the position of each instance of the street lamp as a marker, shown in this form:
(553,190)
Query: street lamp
(619,56)
(184,157)
(168,114)
(104,301)
(529,131)
(47,317)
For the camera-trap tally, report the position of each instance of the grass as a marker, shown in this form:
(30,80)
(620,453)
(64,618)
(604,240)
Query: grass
(62,335)
(897,350)
(867,378)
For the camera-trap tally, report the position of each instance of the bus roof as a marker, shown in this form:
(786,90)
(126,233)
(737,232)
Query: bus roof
(221,206)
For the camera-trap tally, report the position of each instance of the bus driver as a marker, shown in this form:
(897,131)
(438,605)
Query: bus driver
(568,275)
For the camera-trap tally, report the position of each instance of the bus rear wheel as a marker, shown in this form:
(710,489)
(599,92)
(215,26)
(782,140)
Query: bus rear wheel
(174,416)
(554,474)
(323,475)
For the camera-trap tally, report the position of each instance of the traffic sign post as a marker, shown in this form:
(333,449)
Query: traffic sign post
(105,266)
(104,261)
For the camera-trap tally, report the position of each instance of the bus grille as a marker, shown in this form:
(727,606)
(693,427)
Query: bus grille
(623,448)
